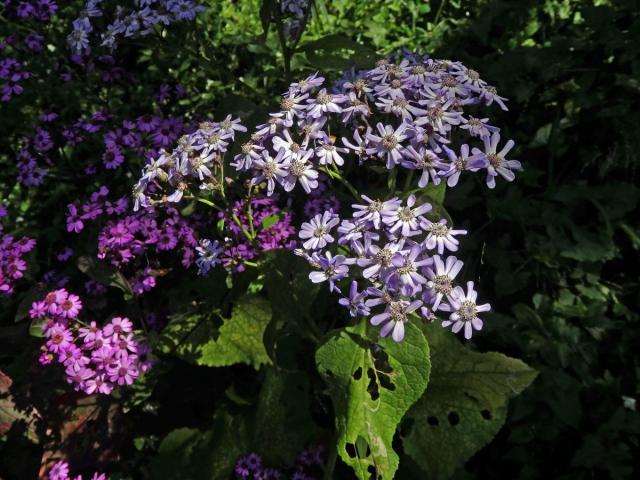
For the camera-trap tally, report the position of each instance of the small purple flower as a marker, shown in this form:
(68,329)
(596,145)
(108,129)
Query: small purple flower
(208,255)
(407,218)
(333,268)
(394,317)
(388,144)
(355,302)
(441,278)
(464,311)
(440,235)
(495,162)
(316,231)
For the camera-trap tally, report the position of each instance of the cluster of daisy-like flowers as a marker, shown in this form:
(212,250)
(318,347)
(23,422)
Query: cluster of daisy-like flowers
(133,242)
(246,232)
(60,471)
(39,10)
(96,359)
(398,254)
(307,466)
(196,163)
(140,137)
(293,14)
(138,19)
(400,115)
(12,263)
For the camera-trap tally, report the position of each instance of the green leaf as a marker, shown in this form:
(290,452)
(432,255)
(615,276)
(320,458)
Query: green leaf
(270,221)
(211,455)
(238,340)
(464,406)
(103,273)
(283,420)
(337,52)
(372,382)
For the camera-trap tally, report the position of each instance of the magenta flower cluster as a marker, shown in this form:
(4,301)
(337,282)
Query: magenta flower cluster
(96,359)
(12,263)
(306,467)
(60,471)
(134,242)
(140,137)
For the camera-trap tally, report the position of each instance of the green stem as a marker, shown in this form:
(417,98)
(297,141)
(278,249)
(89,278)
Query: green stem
(343,181)
(244,230)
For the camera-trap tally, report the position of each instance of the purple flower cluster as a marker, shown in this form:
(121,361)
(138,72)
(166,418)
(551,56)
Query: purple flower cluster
(307,464)
(143,137)
(402,258)
(12,72)
(137,20)
(249,231)
(293,14)
(60,471)
(135,241)
(425,100)
(40,10)
(12,265)
(196,161)
(96,359)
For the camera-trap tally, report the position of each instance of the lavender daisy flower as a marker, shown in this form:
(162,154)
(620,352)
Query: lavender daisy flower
(406,219)
(307,84)
(375,210)
(426,160)
(301,170)
(333,268)
(459,164)
(477,127)
(328,153)
(355,302)
(495,163)
(388,143)
(290,107)
(394,317)
(378,259)
(208,255)
(270,170)
(317,230)
(440,235)
(441,276)
(406,265)
(324,103)
(292,149)
(464,311)
(400,107)
(360,145)
(244,160)
(489,95)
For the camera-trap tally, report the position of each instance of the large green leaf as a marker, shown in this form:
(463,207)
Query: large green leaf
(238,340)
(464,406)
(283,419)
(211,455)
(373,382)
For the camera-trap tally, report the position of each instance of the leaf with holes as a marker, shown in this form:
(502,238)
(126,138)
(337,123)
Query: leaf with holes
(372,382)
(464,406)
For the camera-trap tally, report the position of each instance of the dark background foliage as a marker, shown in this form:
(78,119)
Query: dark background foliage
(556,251)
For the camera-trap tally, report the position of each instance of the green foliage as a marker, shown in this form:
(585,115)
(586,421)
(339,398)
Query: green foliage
(238,340)
(372,386)
(464,406)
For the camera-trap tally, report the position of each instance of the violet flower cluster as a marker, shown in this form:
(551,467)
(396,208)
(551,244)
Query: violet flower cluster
(134,242)
(402,260)
(39,10)
(12,263)
(196,163)
(96,359)
(143,137)
(247,232)
(60,471)
(307,466)
(400,115)
(293,14)
(137,19)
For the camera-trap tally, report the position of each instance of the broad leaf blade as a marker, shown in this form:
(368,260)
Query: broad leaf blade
(464,406)
(372,386)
